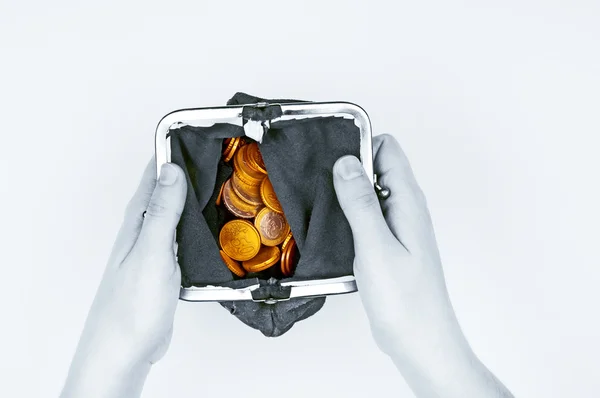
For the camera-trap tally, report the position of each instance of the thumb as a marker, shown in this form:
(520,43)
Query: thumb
(359,202)
(164,209)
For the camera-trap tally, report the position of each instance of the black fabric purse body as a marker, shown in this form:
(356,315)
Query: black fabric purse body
(299,156)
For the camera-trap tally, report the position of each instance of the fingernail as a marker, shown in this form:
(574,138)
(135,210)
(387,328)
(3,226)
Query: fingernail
(349,168)
(168,174)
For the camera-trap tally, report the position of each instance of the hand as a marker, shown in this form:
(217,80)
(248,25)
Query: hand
(400,279)
(130,323)
(397,266)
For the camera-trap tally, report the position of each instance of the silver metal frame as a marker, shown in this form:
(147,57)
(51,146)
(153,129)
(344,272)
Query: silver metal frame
(206,117)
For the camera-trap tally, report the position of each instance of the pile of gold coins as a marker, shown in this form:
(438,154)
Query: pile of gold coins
(259,237)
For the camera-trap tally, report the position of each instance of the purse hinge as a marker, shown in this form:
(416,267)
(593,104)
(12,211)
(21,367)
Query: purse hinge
(271,292)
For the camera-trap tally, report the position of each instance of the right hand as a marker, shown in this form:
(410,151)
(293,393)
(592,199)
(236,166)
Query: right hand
(397,265)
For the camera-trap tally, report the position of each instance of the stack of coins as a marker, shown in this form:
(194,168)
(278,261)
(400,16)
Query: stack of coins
(258,238)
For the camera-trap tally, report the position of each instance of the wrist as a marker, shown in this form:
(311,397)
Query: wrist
(435,368)
(99,380)
(105,373)
(446,366)
(432,351)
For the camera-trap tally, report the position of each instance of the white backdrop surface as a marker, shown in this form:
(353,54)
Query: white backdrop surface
(495,103)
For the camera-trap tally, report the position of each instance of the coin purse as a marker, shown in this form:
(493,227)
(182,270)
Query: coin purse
(299,142)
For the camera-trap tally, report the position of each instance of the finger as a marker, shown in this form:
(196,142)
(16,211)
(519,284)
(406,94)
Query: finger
(175,245)
(133,220)
(405,209)
(163,211)
(359,203)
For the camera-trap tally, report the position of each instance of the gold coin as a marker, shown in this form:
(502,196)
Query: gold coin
(254,158)
(220,196)
(284,263)
(286,241)
(237,206)
(235,143)
(266,257)
(247,179)
(246,163)
(239,240)
(267,193)
(287,258)
(233,265)
(245,172)
(248,193)
(242,205)
(228,144)
(272,227)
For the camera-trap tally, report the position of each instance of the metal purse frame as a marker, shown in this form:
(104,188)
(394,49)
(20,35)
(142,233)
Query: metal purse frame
(206,117)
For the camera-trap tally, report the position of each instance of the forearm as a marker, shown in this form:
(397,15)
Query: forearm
(97,381)
(448,368)
(104,374)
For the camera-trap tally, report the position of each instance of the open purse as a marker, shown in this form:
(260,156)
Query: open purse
(299,142)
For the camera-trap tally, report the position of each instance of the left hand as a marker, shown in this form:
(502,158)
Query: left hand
(131,319)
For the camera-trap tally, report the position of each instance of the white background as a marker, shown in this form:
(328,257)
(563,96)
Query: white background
(496,105)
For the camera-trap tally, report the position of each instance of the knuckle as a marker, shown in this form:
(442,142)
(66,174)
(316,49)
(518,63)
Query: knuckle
(157,209)
(365,200)
(388,152)
(389,141)
(387,138)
